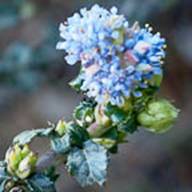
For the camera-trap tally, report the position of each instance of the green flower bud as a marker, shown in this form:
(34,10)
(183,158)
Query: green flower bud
(107,143)
(26,166)
(61,127)
(13,157)
(100,117)
(25,151)
(158,116)
(20,161)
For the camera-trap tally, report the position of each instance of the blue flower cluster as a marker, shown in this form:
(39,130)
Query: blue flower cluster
(117,60)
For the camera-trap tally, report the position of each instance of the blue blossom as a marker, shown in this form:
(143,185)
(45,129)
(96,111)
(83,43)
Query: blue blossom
(117,60)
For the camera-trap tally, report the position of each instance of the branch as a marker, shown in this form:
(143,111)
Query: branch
(48,159)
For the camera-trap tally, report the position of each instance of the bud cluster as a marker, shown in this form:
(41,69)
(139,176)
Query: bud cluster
(20,161)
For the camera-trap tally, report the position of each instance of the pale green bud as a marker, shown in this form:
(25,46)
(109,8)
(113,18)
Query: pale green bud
(12,158)
(158,116)
(26,166)
(61,127)
(20,161)
(107,143)
(25,151)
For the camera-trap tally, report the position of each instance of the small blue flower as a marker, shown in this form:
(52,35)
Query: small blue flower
(117,61)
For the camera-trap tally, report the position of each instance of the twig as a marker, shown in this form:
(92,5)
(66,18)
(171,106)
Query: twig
(48,159)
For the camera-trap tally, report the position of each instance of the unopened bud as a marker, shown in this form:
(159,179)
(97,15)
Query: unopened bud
(20,161)
(107,143)
(158,116)
(61,127)
(26,166)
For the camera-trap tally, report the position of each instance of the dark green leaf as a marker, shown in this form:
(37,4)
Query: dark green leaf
(129,125)
(116,114)
(84,113)
(111,133)
(116,135)
(88,165)
(78,134)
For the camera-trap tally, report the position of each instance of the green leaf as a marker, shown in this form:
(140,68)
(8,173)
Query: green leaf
(112,133)
(77,82)
(84,113)
(41,183)
(27,136)
(117,135)
(88,165)
(61,145)
(78,134)
(116,114)
(74,136)
(129,125)
(4,178)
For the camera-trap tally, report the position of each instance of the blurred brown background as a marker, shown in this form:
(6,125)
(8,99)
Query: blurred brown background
(33,88)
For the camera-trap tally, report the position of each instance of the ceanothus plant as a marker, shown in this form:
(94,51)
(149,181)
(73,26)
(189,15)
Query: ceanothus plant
(121,72)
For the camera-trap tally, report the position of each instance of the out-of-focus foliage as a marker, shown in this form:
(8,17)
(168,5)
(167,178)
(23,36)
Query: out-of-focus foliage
(24,63)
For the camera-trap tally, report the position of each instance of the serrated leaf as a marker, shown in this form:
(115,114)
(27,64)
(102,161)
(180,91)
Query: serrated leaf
(27,136)
(61,145)
(74,136)
(41,183)
(88,165)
